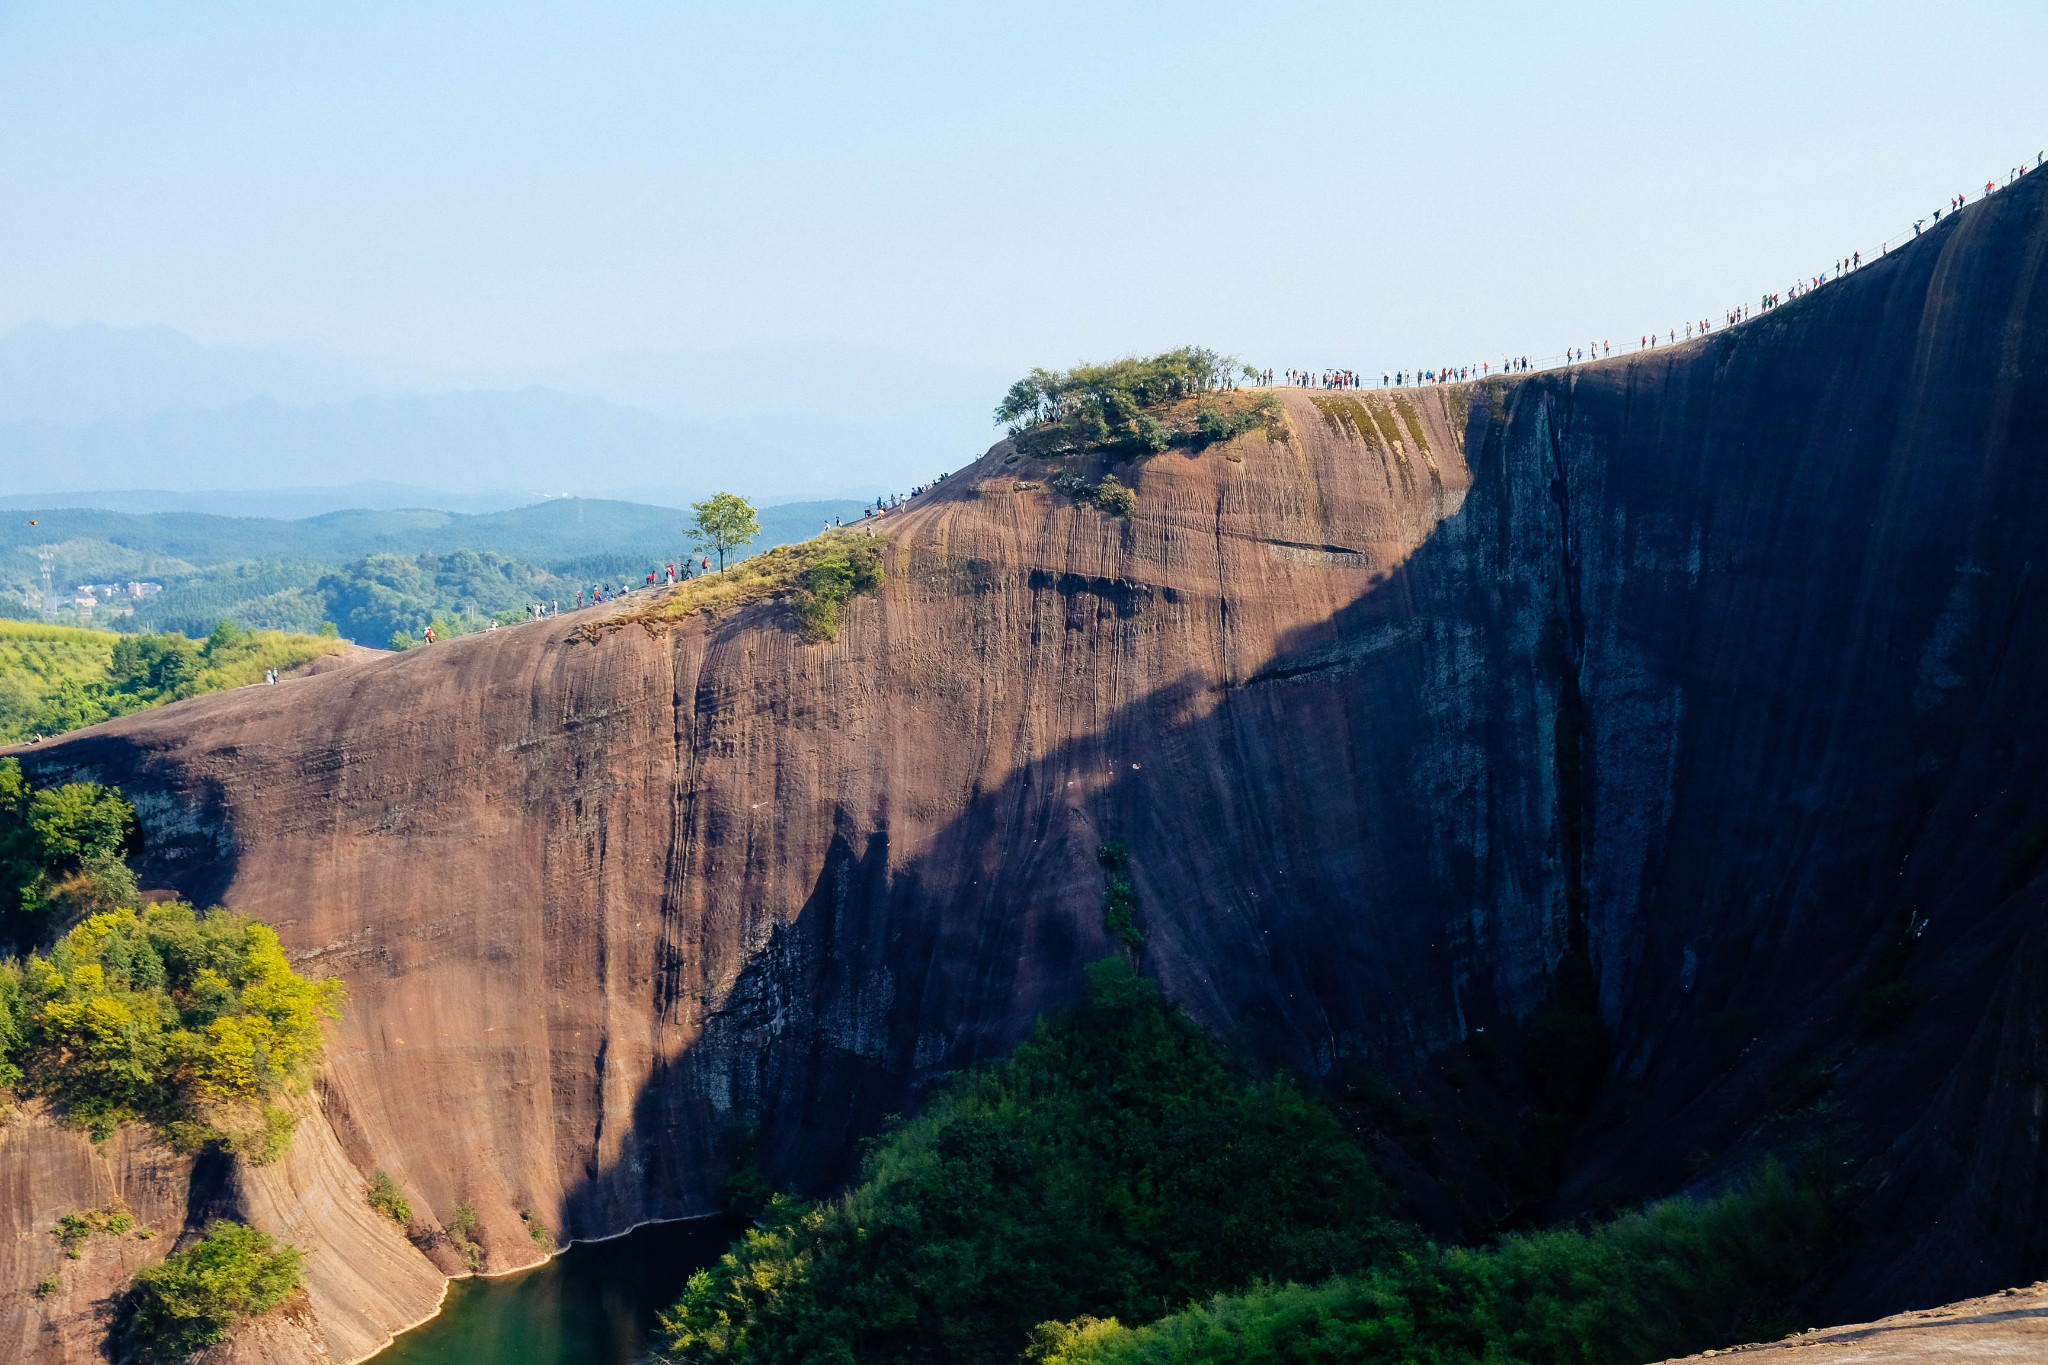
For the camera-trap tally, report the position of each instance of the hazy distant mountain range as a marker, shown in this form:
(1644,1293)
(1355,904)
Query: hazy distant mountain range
(95,408)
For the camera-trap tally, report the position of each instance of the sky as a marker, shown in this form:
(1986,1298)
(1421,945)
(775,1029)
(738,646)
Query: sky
(503,188)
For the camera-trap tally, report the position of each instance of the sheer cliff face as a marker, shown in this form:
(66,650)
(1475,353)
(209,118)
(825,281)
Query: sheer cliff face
(1720,667)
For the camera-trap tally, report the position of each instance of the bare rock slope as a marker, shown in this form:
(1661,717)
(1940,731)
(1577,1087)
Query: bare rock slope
(1718,668)
(2011,1325)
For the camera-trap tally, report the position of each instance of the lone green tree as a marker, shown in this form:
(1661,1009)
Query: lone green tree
(723,522)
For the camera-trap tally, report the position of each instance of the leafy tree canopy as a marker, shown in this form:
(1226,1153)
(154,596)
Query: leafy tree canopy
(722,522)
(1114,1164)
(1118,390)
(192,1298)
(189,1021)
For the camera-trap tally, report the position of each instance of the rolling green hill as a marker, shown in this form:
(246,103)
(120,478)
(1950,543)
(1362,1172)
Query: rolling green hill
(57,678)
(268,574)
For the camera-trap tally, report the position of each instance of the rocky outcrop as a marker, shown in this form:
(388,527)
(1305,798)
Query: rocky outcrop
(1716,671)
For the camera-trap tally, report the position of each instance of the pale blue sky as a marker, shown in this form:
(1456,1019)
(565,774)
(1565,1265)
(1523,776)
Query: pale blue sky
(500,186)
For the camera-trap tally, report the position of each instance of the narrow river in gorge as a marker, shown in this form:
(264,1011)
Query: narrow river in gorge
(594,1304)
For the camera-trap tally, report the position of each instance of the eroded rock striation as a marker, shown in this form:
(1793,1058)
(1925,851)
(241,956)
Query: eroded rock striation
(1699,692)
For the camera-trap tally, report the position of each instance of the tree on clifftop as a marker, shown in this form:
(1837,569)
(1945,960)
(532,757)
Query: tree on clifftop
(723,522)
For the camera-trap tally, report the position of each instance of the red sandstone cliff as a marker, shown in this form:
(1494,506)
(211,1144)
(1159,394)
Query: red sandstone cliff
(1725,662)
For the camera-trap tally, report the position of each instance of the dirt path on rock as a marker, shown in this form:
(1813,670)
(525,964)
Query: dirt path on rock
(2012,1325)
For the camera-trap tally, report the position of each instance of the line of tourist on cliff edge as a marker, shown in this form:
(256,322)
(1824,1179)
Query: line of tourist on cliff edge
(890,502)
(1453,374)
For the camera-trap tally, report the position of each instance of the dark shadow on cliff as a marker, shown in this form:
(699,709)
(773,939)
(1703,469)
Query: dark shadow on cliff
(1679,783)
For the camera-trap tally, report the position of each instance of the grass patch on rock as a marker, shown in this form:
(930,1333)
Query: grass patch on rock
(817,577)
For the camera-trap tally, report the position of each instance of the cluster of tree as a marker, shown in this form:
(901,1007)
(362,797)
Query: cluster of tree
(53,678)
(194,1023)
(260,594)
(1114,1165)
(1116,1191)
(1119,390)
(63,853)
(1119,406)
(392,599)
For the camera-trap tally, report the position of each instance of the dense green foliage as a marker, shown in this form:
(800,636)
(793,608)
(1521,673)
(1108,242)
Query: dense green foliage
(853,566)
(55,678)
(260,594)
(1120,913)
(461,1230)
(1116,392)
(1134,407)
(1664,1281)
(192,1298)
(1114,1194)
(193,1022)
(45,672)
(383,596)
(1114,1165)
(61,854)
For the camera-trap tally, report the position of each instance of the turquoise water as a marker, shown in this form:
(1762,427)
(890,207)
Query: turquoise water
(592,1305)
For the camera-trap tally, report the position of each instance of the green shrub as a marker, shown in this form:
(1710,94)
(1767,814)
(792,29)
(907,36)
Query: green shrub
(855,567)
(1212,425)
(385,1198)
(1665,1281)
(462,1234)
(1113,1164)
(259,1138)
(193,1298)
(1120,913)
(1113,854)
(47,1286)
(1113,497)
(193,1022)
(538,1231)
(73,1230)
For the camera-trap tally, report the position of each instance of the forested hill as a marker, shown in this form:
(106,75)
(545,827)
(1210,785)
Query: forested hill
(372,573)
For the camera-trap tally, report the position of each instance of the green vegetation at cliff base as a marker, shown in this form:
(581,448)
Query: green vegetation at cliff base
(1117,1191)
(1115,1163)
(1660,1282)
